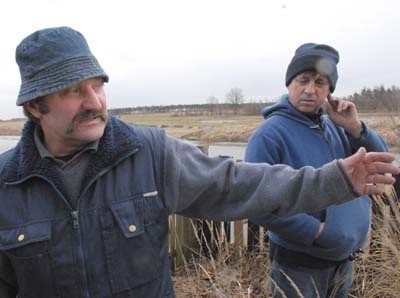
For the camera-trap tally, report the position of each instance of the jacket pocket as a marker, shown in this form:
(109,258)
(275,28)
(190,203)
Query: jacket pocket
(27,246)
(131,258)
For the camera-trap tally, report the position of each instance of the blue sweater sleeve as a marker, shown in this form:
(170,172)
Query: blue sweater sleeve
(300,228)
(368,139)
(262,149)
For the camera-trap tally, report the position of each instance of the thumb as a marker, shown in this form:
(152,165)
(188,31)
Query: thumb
(352,161)
(359,155)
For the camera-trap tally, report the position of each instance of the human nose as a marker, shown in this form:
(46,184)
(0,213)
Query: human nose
(92,100)
(310,87)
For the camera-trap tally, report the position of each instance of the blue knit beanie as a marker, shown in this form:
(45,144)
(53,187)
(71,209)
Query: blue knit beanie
(318,57)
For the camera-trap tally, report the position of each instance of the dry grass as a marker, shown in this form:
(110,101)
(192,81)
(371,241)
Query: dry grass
(237,128)
(226,128)
(202,128)
(235,273)
(11,127)
(378,271)
(220,270)
(387,125)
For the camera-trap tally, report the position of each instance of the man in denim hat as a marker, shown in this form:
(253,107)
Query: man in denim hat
(312,253)
(56,64)
(86,198)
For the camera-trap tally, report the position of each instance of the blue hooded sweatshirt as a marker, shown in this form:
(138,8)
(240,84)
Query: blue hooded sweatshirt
(289,137)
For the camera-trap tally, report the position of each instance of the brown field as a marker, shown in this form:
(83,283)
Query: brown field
(11,127)
(239,128)
(230,128)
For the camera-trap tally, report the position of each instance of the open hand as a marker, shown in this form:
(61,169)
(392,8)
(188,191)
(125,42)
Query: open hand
(366,170)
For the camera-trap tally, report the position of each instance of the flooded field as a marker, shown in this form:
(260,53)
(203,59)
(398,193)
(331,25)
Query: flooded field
(7,142)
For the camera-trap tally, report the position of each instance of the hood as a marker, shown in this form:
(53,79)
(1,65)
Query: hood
(284,108)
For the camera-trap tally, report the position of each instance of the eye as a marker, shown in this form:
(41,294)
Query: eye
(303,81)
(71,91)
(322,82)
(98,87)
(74,90)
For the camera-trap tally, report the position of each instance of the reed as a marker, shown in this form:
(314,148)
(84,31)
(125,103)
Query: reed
(223,270)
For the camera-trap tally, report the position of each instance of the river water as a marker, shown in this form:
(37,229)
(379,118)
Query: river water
(7,142)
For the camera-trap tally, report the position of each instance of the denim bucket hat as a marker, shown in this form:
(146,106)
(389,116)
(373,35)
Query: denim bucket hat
(53,59)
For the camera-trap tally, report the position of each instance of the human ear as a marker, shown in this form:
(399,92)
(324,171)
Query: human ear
(33,108)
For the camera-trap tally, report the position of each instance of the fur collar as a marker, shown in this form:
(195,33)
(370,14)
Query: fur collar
(118,141)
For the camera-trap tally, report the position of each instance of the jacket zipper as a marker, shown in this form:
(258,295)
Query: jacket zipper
(75,222)
(80,259)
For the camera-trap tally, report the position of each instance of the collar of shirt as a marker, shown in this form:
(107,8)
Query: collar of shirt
(44,153)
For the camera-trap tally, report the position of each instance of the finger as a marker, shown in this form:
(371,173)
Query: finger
(343,105)
(332,101)
(328,106)
(340,106)
(371,189)
(383,157)
(380,179)
(382,168)
(351,105)
(361,154)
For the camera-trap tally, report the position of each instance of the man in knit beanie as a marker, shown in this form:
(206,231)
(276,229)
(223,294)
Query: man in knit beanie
(313,253)
(318,57)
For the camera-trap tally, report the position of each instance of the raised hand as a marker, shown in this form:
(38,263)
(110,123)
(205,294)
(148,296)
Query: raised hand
(344,113)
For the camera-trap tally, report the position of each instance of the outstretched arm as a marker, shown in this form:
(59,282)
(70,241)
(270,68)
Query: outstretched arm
(195,185)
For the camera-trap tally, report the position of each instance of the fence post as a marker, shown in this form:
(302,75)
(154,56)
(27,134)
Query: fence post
(182,236)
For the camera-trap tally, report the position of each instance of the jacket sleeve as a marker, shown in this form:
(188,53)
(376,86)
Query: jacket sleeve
(369,139)
(8,283)
(216,188)
(301,228)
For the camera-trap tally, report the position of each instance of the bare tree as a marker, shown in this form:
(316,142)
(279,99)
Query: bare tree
(235,97)
(213,104)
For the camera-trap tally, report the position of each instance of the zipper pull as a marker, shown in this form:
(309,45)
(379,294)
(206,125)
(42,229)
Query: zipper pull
(75,220)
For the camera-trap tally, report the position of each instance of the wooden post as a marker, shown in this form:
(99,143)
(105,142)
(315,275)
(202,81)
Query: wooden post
(238,233)
(182,236)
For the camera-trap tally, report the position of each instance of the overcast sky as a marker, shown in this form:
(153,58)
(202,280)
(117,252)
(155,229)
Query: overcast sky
(160,52)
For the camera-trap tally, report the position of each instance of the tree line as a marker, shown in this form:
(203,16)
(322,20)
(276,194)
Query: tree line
(378,99)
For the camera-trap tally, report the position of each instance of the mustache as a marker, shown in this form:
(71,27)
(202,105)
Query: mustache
(87,115)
